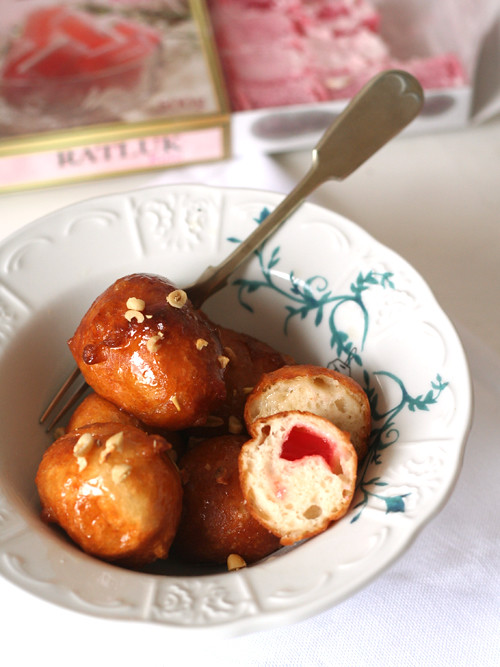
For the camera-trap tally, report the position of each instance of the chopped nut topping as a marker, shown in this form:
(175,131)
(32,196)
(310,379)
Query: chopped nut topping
(175,401)
(130,314)
(114,442)
(230,353)
(83,444)
(120,471)
(177,298)
(223,361)
(135,304)
(213,421)
(152,343)
(235,562)
(201,343)
(82,463)
(234,425)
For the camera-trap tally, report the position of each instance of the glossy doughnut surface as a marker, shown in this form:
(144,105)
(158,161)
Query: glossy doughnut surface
(216,521)
(114,490)
(144,347)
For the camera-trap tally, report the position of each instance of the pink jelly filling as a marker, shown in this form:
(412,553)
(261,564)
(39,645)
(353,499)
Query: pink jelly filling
(301,442)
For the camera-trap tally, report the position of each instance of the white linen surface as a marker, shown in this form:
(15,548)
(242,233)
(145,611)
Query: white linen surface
(439,604)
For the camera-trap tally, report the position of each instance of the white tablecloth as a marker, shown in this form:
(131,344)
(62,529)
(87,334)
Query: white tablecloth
(436,201)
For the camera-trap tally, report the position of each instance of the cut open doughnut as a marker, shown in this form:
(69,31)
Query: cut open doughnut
(297,474)
(322,391)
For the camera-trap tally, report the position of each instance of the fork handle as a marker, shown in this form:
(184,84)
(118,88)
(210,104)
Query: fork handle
(384,107)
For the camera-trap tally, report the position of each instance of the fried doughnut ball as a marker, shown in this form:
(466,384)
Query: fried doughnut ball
(322,391)
(145,348)
(297,474)
(248,359)
(215,519)
(114,490)
(95,409)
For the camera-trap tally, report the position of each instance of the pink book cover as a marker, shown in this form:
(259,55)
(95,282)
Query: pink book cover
(104,86)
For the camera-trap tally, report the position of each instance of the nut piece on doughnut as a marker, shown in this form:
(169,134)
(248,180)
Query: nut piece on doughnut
(248,359)
(297,473)
(315,389)
(95,409)
(114,490)
(215,518)
(138,346)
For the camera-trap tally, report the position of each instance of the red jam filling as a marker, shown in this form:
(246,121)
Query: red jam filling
(301,442)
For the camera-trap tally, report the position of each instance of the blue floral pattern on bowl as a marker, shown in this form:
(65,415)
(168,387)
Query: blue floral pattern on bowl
(355,305)
(312,297)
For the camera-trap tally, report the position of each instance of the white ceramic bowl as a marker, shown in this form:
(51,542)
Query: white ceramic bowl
(322,290)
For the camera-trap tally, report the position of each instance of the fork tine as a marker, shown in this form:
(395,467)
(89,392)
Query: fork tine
(55,400)
(68,405)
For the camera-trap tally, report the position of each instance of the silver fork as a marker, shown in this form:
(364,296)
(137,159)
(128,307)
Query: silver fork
(384,107)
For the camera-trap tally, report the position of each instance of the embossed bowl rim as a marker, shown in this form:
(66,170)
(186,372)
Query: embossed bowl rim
(53,268)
